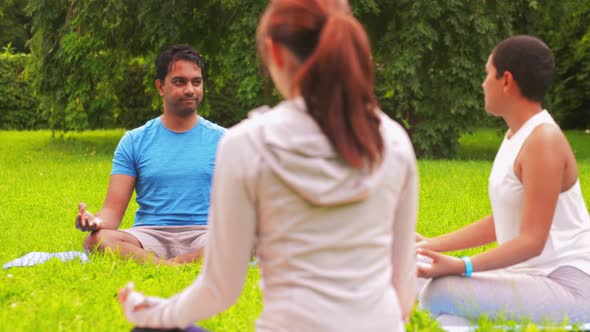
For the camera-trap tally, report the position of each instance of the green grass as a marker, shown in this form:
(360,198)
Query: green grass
(42,180)
(483,144)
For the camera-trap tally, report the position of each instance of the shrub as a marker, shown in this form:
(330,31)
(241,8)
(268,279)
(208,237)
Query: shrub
(18,105)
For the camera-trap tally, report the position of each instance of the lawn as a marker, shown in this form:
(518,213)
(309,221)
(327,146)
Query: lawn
(42,179)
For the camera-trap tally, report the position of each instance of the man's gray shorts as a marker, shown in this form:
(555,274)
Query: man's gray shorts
(170,241)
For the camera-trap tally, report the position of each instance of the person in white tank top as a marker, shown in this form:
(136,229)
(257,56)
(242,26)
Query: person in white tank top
(540,269)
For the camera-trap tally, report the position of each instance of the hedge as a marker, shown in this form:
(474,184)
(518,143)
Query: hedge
(18,105)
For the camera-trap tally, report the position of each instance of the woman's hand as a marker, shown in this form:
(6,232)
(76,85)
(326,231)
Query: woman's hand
(421,241)
(420,237)
(140,309)
(442,265)
(132,301)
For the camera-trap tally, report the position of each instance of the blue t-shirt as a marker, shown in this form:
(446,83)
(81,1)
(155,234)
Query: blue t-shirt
(172,171)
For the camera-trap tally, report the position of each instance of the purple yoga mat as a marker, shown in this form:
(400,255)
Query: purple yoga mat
(188,329)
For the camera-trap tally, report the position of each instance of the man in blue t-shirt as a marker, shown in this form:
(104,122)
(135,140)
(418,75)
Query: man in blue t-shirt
(169,162)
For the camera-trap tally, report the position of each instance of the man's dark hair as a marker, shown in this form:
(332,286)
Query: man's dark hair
(174,53)
(529,60)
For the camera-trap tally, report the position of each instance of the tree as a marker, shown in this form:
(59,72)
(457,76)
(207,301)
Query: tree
(564,26)
(14,25)
(17,105)
(429,56)
(82,50)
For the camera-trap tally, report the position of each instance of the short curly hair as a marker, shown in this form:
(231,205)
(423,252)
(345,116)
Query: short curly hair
(174,53)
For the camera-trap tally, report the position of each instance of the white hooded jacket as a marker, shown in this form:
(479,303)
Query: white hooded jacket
(335,245)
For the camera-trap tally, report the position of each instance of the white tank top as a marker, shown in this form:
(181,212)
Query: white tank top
(569,237)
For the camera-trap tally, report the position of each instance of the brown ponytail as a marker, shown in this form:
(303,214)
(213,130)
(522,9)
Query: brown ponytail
(336,75)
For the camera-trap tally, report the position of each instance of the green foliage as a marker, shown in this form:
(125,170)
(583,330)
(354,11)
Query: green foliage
(563,25)
(76,74)
(14,24)
(93,60)
(8,49)
(135,103)
(18,106)
(566,30)
(430,58)
(82,52)
(236,70)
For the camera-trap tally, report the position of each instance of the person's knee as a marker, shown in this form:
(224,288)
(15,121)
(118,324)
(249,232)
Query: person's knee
(91,242)
(438,296)
(98,241)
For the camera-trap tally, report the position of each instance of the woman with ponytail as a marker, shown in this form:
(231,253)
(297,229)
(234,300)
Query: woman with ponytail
(323,187)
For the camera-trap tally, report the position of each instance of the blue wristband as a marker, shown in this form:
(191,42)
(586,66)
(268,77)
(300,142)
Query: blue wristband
(468,266)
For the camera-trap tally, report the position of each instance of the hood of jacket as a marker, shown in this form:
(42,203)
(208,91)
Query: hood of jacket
(297,151)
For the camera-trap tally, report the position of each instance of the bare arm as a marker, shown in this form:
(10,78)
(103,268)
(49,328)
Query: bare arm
(109,217)
(404,244)
(476,234)
(541,165)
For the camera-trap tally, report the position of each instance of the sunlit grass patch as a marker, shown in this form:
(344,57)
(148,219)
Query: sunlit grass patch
(43,178)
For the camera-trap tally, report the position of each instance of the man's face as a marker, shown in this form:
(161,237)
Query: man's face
(493,90)
(182,88)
